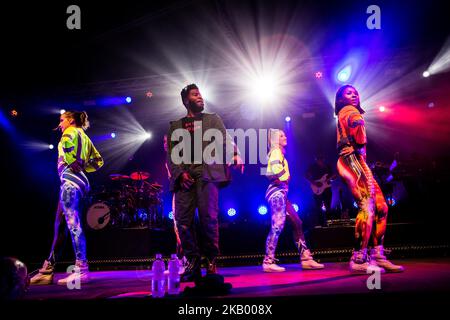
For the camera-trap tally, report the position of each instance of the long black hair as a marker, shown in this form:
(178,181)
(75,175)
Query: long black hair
(339,103)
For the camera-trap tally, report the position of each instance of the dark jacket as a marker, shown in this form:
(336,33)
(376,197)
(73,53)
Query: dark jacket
(214,172)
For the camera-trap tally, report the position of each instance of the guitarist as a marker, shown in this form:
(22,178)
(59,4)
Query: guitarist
(315,175)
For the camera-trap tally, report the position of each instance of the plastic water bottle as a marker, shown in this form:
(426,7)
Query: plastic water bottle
(173,286)
(158,280)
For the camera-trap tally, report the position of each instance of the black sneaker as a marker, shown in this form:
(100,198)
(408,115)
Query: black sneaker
(192,270)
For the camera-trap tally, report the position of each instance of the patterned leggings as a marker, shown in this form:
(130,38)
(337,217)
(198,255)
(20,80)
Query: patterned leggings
(281,208)
(372,206)
(68,212)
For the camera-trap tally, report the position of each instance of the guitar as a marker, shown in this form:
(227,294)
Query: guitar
(322,184)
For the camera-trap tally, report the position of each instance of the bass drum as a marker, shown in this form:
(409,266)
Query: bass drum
(98,215)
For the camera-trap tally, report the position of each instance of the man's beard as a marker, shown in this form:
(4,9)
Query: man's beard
(195,108)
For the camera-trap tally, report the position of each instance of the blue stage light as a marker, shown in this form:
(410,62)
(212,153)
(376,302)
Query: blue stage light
(296,208)
(287,119)
(171,215)
(113,135)
(128,99)
(344,74)
(231,212)
(262,210)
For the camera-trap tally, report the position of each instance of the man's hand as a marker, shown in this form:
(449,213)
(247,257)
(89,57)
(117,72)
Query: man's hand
(76,167)
(346,151)
(186,181)
(237,163)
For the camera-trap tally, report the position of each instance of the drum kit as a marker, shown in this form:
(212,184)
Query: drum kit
(130,202)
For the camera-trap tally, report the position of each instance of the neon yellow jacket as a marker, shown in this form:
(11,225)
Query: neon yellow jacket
(75,145)
(277,168)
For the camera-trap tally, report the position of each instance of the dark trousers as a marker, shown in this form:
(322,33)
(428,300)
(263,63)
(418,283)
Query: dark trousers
(320,200)
(205,197)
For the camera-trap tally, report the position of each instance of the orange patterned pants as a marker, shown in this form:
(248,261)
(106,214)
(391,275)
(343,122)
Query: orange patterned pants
(372,207)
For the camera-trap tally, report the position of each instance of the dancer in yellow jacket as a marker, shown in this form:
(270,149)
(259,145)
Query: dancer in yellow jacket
(76,156)
(281,208)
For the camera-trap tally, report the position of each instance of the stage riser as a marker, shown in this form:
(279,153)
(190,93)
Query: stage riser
(235,241)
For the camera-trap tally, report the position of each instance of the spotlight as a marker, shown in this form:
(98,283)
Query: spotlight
(431,105)
(287,119)
(231,212)
(344,74)
(171,215)
(426,74)
(128,99)
(324,208)
(355,204)
(113,135)
(51,147)
(145,136)
(149,94)
(381,108)
(62,111)
(14,113)
(262,210)
(295,207)
(264,89)
(318,75)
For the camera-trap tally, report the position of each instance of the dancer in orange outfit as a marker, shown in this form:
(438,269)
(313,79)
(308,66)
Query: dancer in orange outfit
(352,167)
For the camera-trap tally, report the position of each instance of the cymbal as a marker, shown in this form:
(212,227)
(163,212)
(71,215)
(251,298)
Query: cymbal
(140,175)
(118,176)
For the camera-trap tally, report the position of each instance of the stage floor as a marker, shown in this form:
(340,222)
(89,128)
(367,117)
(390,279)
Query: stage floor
(421,276)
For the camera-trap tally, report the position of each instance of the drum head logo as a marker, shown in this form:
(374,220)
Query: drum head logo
(98,216)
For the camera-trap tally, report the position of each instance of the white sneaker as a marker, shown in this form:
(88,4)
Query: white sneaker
(360,263)
(83,277)
(272,267)
(269,265)
(363,267)
(308,262)
(359,267)
(379,259)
